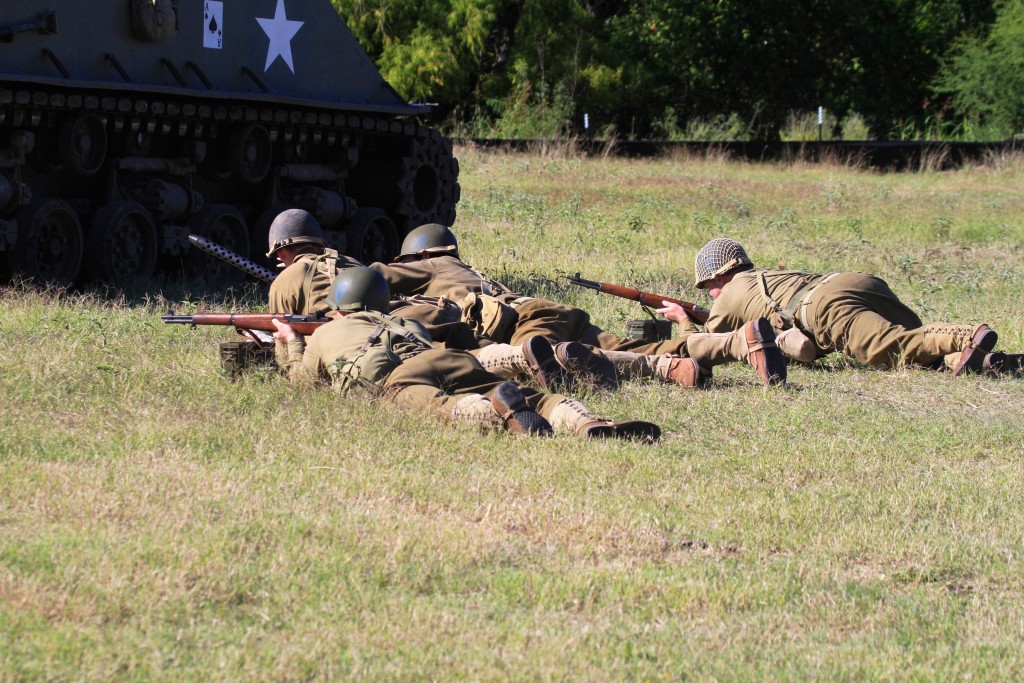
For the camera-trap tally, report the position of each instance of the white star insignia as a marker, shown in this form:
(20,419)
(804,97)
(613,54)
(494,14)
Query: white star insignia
(280,31)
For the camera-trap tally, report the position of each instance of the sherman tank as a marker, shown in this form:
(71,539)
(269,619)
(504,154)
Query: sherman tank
(126,125)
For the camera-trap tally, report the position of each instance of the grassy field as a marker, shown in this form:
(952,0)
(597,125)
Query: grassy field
(161,522)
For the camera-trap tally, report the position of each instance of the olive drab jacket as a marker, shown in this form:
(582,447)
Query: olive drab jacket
(760,293)
(445,276)
(302,287)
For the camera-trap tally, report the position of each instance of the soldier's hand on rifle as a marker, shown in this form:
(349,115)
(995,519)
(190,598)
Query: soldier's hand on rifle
(285,332)
(674,312)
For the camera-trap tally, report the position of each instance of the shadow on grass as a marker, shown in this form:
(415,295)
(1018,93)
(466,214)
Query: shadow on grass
(157,292)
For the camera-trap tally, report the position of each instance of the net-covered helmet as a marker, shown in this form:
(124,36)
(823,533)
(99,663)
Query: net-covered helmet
(359,289)
(718,257)
(430,238)
(294,226)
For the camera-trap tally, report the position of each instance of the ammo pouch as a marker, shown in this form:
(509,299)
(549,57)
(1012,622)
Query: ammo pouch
(489,316)
(377,358)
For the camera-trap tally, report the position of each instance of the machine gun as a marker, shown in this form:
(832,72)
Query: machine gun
(237,260)
(697,314)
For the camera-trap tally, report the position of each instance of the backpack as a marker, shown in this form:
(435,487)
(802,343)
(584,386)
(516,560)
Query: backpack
(377,358)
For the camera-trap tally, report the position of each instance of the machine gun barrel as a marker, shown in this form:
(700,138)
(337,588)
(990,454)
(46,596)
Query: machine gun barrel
(235,259)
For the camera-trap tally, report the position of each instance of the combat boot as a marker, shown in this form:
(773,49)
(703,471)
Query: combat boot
(754,343)
(999,363)
(684,371)
(667,368)
(550,374)
(1014,362)
(533,359)
(962,346)
(571,415)
(972,357)
(515,413)
(475,408)
(586,364)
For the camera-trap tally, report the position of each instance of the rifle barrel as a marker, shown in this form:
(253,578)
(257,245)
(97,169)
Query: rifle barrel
(698,314)
(303,324)
(582,282)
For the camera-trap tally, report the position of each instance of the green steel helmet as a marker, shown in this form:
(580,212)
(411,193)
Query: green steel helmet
(430,238)
(718,257)
(359,289)
(294,226)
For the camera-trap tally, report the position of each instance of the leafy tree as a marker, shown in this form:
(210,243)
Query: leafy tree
(763,59)
(429,50)
(641,67)
(985,73)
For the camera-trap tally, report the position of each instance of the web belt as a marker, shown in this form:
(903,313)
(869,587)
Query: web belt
(798,304)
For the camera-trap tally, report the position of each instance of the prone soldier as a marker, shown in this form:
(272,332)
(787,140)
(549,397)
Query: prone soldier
(296,241)
(393,358)
(429,264)
(851,313)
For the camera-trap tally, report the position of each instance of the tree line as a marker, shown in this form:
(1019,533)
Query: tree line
(704,69)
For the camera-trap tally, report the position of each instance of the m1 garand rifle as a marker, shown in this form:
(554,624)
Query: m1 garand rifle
(697,314)
(249,324)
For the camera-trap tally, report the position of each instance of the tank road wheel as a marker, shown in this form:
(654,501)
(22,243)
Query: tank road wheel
(83,144)
(224,225)
(122,243)
(371,236)
(50,244)
(428,184)
(249,153)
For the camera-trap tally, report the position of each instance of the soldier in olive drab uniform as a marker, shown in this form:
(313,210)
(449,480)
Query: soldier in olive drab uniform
(851,313)
(429,264)
(388,356)
(296,240)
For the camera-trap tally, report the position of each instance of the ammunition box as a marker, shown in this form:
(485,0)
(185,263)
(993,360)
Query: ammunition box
(649,330)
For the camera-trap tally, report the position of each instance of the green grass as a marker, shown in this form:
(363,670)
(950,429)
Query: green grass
(161,522)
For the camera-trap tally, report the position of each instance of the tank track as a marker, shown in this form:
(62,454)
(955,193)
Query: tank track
(104,184)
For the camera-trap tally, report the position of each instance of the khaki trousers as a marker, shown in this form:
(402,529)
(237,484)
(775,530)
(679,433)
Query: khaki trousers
(561,323)
(859,315)
(435,380)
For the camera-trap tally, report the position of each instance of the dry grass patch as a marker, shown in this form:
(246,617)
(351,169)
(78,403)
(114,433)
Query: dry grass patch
(160,522)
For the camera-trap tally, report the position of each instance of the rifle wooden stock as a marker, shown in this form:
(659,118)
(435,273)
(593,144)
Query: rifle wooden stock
(303,324)
(697,314)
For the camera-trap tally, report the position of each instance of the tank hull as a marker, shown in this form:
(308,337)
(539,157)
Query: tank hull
(126,126)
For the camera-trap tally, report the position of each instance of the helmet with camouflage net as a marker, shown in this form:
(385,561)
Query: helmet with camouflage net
(359,289)
(430,238)
(718,257)
(294,226)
